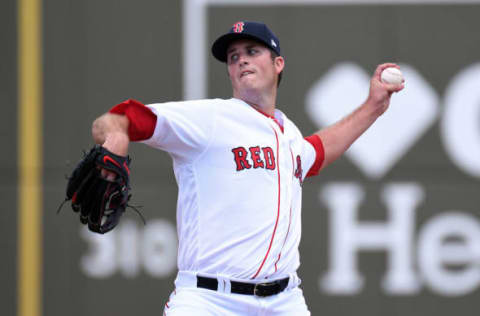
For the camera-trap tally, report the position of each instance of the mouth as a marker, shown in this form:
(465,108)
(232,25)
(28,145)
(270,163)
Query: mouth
(245,73)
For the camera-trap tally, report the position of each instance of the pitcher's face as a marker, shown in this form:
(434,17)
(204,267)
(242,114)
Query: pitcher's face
(250,66)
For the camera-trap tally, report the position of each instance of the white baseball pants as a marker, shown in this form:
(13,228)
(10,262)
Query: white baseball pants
(188,300)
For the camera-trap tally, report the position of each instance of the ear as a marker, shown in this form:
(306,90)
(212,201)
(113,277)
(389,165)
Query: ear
(279,64)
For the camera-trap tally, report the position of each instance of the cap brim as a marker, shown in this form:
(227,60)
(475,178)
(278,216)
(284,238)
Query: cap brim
(220,46)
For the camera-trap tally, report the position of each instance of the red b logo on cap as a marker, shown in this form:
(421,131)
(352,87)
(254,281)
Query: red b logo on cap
(238,27)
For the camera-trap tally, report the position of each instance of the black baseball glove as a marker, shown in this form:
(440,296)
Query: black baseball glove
(100,202)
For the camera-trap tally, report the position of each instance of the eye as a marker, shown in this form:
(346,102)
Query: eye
(233,58)
(252,51)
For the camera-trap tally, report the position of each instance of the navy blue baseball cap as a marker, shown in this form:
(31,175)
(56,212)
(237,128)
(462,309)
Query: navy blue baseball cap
(245,30)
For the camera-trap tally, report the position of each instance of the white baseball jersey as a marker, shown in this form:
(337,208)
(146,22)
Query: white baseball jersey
(239,174)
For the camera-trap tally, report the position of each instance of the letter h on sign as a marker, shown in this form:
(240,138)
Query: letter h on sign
(349,236)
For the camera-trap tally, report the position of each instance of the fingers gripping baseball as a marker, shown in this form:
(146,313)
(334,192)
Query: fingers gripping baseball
(382,90)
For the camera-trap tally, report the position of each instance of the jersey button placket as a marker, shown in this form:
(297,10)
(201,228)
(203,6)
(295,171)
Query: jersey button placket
(285,176)
(281,228)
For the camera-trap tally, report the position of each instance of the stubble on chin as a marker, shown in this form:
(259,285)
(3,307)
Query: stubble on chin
(249,95)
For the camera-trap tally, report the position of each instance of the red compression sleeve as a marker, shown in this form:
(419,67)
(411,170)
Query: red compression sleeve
(141,119)
(320,157)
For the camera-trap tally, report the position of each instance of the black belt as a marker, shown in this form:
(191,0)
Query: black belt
(258,289)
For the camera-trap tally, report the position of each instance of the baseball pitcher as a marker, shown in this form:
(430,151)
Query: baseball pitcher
(240,164)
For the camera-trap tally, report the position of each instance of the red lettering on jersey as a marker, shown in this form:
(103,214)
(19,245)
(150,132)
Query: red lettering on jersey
(299,171)
(238,27)
(257,160)
(240,156)
(269,158)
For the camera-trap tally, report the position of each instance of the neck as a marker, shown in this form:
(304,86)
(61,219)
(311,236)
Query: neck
(264,102)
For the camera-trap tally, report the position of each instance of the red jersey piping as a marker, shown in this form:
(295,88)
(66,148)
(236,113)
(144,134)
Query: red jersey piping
(290,216)
(278,211)
(269,116)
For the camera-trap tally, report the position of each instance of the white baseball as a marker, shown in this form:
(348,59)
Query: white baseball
(392,75)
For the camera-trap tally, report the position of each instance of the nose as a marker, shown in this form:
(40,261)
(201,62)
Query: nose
(243,60)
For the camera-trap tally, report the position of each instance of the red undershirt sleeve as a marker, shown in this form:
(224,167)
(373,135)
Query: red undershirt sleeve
(142,120)
(320,157)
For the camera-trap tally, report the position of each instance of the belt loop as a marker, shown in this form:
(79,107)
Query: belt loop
(228,286)
(293,281)
(223,284)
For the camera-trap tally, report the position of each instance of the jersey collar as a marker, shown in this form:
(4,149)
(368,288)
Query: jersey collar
(278,119)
